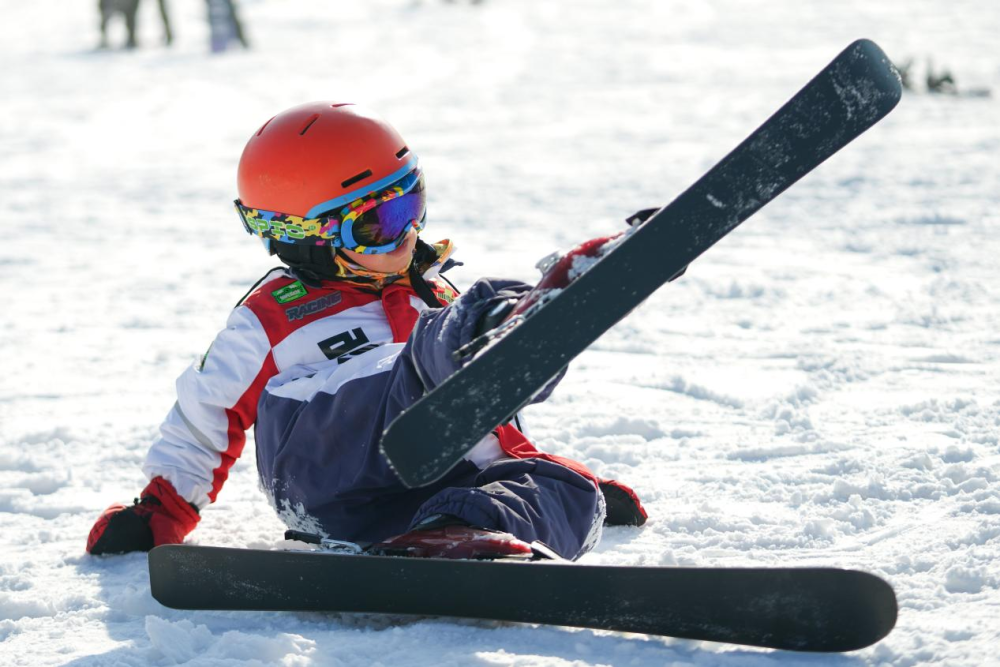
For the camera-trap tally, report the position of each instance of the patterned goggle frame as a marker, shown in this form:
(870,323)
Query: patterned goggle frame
(372,224)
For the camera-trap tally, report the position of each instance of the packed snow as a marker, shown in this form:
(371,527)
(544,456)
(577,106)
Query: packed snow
(819,389)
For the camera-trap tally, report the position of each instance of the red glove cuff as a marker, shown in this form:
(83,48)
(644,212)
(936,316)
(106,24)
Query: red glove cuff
(174,518)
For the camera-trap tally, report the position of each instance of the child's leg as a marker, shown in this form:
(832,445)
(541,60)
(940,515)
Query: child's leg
(532,499)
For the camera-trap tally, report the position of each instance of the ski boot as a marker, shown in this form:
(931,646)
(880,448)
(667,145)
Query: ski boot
(445,536)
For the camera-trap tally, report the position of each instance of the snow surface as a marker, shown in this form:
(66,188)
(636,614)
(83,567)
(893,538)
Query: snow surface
(819,389)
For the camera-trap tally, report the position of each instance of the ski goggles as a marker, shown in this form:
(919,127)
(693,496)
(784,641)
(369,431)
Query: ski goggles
(372,224)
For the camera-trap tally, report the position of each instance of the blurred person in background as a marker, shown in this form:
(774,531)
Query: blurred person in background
(224,25)
(129,9)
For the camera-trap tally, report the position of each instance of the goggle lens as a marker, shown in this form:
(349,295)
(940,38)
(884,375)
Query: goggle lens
(390,218)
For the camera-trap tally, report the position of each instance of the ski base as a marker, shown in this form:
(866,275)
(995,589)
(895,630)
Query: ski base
(797,609)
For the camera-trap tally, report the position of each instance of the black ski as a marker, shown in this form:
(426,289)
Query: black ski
(850,95)
(798,609)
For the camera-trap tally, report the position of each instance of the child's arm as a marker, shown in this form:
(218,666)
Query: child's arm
(201,438)
(205,431)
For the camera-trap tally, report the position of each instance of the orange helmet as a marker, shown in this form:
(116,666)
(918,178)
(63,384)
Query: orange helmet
(328,174)
(314,157)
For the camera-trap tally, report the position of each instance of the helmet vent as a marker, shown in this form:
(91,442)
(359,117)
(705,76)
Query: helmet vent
(261,130)
(402,151)
(354,179)
(312,119)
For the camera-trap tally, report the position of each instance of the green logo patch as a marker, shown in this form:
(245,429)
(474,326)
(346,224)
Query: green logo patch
(446,294)
(289,293)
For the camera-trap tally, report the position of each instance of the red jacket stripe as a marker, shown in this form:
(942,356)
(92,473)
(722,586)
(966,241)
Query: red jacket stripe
(241,417)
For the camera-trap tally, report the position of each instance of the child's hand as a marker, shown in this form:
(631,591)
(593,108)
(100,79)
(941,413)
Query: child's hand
(159,517)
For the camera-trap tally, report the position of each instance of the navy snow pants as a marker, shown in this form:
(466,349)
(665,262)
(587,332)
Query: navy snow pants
(532,499)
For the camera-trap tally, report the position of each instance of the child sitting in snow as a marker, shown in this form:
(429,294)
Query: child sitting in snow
(322,354)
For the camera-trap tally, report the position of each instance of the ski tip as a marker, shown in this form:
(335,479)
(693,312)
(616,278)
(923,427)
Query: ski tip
(867,623)
(866,48)
(865,44)
(885,611)
(412,478)
(390,450)
(409,461)
(183,576)
(161,569)
(881,71)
